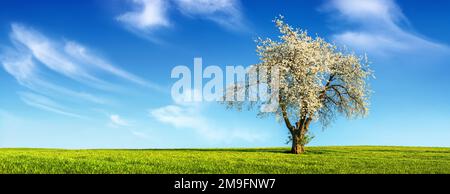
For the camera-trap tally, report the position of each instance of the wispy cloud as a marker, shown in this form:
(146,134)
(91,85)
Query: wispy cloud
(189,116)
(86,56)
(116,120)
(48,53)
(24,69)
(377,26)
(19,65)
(44,103)
(140,134)
(147,16)
(226,13)
(68,58)
(44,65)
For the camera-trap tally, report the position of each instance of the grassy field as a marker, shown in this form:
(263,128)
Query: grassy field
(358,159)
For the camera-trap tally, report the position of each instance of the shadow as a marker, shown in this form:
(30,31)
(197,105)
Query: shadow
(248,150)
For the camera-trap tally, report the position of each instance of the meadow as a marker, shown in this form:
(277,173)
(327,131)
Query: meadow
(317,160)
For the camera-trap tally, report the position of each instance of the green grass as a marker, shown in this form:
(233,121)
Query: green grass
(355,159)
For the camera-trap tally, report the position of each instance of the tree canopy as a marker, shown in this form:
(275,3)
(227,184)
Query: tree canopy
(316,80)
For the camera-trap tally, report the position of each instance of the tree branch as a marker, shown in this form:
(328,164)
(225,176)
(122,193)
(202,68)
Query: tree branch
(326,87)
(285,116)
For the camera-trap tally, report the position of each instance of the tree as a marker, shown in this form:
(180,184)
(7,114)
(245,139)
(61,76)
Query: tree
(316,81)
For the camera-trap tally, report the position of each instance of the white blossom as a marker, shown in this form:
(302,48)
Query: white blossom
(316,79)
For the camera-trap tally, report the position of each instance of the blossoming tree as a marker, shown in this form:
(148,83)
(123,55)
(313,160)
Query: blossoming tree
(316,82)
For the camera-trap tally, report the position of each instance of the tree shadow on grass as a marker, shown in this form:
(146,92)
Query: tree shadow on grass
(276,150)
(285,150)
(238,150)
(249,150)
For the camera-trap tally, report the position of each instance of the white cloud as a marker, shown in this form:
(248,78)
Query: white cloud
(117,121)
(189,116)
(69,58)
(377,26)
(385,10)
(44,103)
(226,13)
(23,68)
(180,117)
(86,56)
(140,134)
(147,15)
(35,60)
(44,50)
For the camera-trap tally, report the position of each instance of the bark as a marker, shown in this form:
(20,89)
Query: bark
(298,142)
(298,131)
(297,148)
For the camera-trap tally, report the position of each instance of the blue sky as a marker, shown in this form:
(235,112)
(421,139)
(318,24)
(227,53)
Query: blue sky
(96,74)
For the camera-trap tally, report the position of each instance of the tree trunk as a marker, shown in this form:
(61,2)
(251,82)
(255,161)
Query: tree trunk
(298,139)
(297,148)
